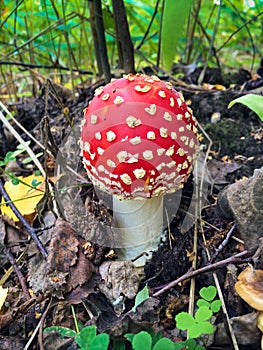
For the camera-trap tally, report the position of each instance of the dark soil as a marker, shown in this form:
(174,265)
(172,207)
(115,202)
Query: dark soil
(236,139)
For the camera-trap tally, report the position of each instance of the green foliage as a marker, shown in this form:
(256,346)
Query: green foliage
(87,338)
(199,323)
(144,340)
(140,297)
(252,101)
(11,155)
(63,36)
(195,325)
(208,294)
(174,20)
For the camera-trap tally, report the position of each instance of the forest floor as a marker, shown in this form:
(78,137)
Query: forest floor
(42,290)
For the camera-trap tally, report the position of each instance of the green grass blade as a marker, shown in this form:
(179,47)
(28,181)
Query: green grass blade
(175,14)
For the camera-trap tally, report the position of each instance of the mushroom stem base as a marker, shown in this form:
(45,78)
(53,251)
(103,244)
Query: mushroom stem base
(138,225)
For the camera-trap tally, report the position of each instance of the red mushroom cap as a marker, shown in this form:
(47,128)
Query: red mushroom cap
(138,138)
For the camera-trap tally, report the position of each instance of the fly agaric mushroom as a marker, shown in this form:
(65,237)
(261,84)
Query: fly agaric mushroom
(138,142)
(250,288)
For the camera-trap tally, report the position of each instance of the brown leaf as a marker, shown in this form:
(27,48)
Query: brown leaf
(219,170)
(81,293)
(92,221)
(121,280)
(81,272)
(63,249)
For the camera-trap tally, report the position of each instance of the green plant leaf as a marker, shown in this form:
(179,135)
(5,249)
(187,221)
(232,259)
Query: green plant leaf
(191,344)
(140,297)
(203,314)
(155,336)
(100,342)
(35,183)
(118,344)
(63,331)
(107,19)
(252,101)
(179,345)
(216,305)
(202,302)
(85,337)
(208,293)
(21,147)
(199,328)
(14,180)
(9,156)
(195,330)
(129,336)
(175,14)
(142,340)
(184,321)
(164,344)
(29,159)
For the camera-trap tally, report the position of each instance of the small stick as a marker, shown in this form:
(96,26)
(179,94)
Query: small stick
(222,245)
(18,273)
(232,260)
(30,229)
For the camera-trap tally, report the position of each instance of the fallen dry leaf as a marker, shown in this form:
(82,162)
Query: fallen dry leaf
(121,280)
(219,170)
(81,272)
(63,251)
(63,248)
(26,194)
(67,266)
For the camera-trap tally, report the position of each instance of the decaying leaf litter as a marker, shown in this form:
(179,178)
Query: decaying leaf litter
(88,275)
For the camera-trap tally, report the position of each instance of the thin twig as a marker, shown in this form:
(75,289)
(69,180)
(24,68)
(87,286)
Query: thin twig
(18,273)
(235,259)
(23,221)
(45,66)
(149,25)
(7,274)
(222,245)
(41,323)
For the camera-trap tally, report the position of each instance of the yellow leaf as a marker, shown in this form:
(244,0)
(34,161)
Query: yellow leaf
(3,295)
(25,195)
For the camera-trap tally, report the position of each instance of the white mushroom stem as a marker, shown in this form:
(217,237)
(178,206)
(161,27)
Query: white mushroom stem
(138,226)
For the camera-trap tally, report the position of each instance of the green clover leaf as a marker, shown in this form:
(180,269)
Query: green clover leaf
(208,293)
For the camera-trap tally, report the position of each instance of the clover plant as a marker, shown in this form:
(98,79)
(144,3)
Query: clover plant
(87,338)
(149,341)
(197,326)
(200,324)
